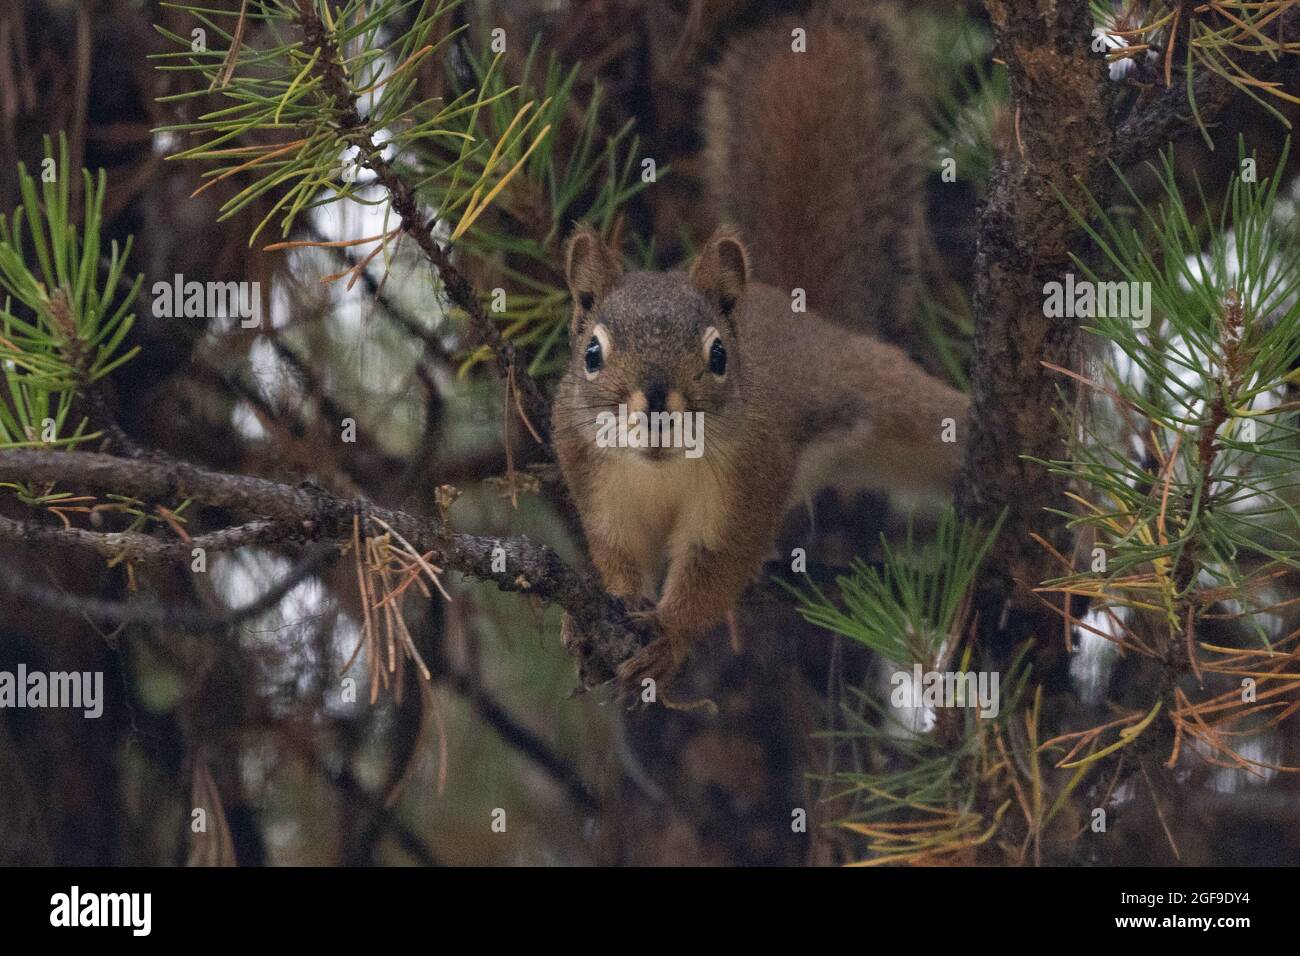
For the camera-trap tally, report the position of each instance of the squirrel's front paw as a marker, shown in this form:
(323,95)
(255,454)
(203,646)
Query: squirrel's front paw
(657,661)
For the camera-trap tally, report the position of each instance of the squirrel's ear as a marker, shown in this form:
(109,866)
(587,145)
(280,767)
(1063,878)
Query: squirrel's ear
(722,269)
(590,267)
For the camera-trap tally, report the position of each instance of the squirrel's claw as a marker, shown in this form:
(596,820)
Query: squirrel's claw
(658,661)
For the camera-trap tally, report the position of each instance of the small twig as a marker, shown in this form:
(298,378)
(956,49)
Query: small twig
(134,546)
(138,612)
(459,290)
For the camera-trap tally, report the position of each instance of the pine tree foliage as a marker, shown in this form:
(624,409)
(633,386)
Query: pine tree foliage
(928,783)
(1187,464)
(1182,467)
(1208,38)
(323,101)
(564,179)
(66,309)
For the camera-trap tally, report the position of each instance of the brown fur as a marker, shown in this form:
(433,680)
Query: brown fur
(818,159)
(804,404)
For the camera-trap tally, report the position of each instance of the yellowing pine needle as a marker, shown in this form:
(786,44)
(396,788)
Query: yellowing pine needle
(1127,736)
(286,148)
(410,61)
(284,100)
(335,244)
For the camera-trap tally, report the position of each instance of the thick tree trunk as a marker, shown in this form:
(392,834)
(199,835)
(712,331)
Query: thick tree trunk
(1025,234)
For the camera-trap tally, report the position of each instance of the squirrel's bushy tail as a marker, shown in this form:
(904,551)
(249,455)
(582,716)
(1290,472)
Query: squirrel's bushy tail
(818,157)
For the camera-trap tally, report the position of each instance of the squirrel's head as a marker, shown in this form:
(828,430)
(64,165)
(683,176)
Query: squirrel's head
(653,341)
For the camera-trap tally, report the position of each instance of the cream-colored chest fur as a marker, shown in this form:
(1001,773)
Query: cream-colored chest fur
(656,512)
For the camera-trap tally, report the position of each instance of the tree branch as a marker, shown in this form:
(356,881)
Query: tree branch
(515,734)
(313,514)
(133,546)
(459,290)
(141,612)
(1170,116)
(347,783)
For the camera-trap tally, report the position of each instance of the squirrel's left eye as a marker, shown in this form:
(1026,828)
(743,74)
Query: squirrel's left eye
(716,352)
(717,358)
(593,356)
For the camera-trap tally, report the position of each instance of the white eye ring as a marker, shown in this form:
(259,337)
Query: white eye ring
(710,334)
(601,335)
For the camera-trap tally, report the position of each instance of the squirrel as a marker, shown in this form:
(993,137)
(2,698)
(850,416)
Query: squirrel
(819,188)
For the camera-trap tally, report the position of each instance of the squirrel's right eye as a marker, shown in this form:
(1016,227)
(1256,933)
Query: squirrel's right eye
(594,356)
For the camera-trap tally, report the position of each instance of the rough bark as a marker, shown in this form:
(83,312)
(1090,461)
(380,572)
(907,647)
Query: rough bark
(1024,240)
(1067,143)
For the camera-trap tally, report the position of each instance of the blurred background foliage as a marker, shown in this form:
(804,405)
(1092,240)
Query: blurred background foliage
(510,146)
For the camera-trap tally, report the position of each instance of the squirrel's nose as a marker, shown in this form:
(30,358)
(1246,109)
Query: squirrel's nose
(656,397)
